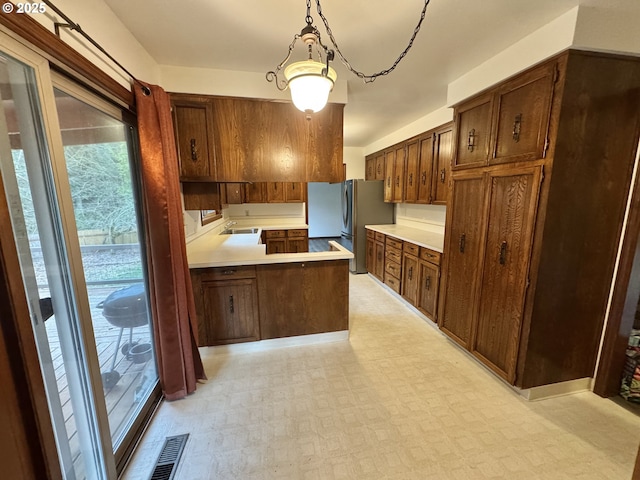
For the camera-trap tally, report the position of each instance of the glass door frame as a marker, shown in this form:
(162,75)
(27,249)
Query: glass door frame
(113,461)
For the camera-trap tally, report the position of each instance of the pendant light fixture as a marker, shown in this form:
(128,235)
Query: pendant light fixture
(311,81)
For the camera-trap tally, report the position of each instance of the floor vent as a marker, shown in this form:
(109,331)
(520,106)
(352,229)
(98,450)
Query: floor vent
(169,457)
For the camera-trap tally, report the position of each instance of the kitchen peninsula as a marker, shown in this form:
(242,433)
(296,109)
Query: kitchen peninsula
(243,294)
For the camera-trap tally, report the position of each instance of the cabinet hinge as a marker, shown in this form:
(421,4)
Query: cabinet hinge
(556,74)
(546,146)
(435,135)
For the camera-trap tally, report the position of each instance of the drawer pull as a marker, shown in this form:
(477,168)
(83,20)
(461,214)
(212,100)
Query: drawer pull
(231,309)
(442,175)
(411,179)
(388,181)
(410,273)
(194,150)
(427,284)
(471,140)
(462,242)
(229,272)
(397,180)
(517,124)
(424,178)
(503,253)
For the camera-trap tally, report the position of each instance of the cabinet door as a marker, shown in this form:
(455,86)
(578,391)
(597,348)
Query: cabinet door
(255,192)
(234,193)
(522,122)
(389,164)
(192,122)
(513,198)
(398,173)
(294,192)
(443,151)
(464,239)
(429,282)
(412,179)
(425,168)
(371,255)
(275,192)
(370,168)
(379,269)
(473,132)
(410,278)
(297,245)
(276,245)
(379,166)
(231,311)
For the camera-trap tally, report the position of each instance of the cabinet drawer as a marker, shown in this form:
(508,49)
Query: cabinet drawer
(393,254)
(430,256)
(296,233)
(394,242)
(229,273)
(379,236)
(275,233)
(411,248)
(392,268)
(371,234)
(392,282)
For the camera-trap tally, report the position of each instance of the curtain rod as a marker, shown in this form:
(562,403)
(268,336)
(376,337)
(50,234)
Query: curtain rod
(74,26)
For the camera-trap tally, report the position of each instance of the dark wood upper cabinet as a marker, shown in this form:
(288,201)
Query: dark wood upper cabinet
(442,156)
(370,168)
(228,139)
(425,168)
(255,192)
(473,132)
(522,120)
(193,124)
(389,169)
(295,192)
(399,173)
(275,192)
(412,175)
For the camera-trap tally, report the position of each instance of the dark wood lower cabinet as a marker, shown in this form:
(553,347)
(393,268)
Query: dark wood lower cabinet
(303,298)
(464,234)
(249,303)
(234,306)
(428,288)
(410,278)
(286,241)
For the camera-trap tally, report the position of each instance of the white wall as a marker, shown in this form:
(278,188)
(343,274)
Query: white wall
(609,29)
(100,23)
(423,217)
(325,210)
(354,158)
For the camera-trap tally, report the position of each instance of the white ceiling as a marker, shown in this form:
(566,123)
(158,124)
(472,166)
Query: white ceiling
(253,35)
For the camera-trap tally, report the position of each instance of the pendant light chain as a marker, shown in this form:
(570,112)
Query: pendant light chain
(365,77)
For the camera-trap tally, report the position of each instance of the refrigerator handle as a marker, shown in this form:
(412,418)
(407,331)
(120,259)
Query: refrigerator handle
(345,206)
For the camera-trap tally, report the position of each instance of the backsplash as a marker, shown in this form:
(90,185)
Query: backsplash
(423,217)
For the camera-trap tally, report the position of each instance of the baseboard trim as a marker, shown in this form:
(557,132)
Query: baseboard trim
(556,389)
(276,343)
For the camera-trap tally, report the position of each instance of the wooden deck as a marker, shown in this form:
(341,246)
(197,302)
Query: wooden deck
(121,399)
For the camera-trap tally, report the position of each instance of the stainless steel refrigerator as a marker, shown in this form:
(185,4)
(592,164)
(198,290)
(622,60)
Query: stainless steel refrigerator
(362,204)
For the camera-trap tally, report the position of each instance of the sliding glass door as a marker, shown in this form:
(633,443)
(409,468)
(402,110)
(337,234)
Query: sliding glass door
(67,164)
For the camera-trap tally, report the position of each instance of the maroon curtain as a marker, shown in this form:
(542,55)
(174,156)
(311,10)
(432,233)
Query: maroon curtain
(172,304)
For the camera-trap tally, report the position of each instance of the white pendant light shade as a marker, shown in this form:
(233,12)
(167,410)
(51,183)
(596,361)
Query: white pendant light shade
(309,87)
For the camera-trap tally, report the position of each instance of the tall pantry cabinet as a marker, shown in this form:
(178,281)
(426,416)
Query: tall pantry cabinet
(541,173)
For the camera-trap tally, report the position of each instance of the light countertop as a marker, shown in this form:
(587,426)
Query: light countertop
(424,238)
(214,250)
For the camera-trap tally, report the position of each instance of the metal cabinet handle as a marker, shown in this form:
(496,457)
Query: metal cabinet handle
(388,181)
(194,150)
(443,172)
(471,140)
(517,124)
(503,253)
(231,309)
(411,179)
(378,169)
(462,242)
(228,272)
(410,273)
(427,284)
(424,178)
(397,180)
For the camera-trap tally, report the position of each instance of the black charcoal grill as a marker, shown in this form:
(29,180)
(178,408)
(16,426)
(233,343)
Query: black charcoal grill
(126,308)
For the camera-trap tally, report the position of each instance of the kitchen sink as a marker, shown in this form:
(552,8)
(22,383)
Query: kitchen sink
(236,231)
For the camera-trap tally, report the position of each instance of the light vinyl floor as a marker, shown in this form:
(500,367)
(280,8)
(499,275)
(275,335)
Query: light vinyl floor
(396,401)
